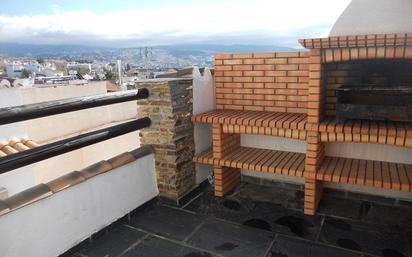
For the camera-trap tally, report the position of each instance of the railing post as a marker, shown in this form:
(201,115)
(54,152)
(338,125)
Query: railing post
(171,134)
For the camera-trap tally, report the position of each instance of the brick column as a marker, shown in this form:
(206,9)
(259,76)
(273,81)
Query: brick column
(315,148)
(225,178)
(170,108)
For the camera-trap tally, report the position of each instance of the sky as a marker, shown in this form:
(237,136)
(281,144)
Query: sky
(127,23)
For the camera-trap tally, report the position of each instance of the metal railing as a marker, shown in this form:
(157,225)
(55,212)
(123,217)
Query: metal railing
(43,109)
(37,110)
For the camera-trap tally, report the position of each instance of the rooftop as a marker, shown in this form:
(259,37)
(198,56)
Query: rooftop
(258,220)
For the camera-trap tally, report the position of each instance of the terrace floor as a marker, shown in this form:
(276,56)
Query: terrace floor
(259,220)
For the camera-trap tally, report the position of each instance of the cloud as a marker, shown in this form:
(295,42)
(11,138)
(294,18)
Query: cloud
(230,21)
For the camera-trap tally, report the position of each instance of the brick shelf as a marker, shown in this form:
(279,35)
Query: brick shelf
(365,131)
(291,125)
(378,174)
(262,160)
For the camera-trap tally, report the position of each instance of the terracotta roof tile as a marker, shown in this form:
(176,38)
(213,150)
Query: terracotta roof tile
(66,181)
(16,145)
(28,196)
(96,169)
(121,159)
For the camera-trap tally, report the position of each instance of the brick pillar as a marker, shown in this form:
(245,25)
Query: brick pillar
(315,148)
(170,108)
(225,178)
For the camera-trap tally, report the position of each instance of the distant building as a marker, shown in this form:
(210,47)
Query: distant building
(14,70)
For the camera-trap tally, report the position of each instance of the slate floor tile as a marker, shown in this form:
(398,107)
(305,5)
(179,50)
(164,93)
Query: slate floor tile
(286,221)
(291,247)
(285,246)
(286,197)
(341,207)
(397,216)
(265,215)
(228,208)
(114,242)
(229,239)
(166,221)
(373,239)
(157,247)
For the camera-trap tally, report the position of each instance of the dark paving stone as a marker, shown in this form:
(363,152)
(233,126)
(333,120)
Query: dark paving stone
(399,216)
(373,239)
(340,207)
(156,247)
(229,208)
(114,243)
(258,214)
(318,250)
(286,196)
(372,198)
(230,239)
(291,247)
(166,221)
(286,221)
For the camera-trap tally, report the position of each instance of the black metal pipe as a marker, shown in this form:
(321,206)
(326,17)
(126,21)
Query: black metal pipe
(43,152)
(38,110)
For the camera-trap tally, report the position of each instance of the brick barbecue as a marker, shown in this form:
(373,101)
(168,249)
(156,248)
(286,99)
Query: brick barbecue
(314,96)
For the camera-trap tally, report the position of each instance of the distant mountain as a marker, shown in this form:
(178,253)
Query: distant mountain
(162,56)
(202,49)
(12,49)
(15,49)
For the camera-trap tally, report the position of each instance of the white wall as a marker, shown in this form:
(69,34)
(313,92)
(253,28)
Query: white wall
(56,126)
(57,166)
(203,101)
(53,225)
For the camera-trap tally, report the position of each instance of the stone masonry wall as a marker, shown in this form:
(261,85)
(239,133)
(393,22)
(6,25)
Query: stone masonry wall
(170,108)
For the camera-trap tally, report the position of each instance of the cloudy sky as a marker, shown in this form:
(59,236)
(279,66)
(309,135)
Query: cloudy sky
(154,22)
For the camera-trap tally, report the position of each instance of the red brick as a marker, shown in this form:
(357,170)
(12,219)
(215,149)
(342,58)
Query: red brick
(264,79)
(243,55)
(223,56)
(254,73)
(286,91)
(287,67)
(275,85)
(233,85)
(253,61)
(276,61)
(223,68)
(242,67)
(275,97)
(298,73)
(265,67)
(254,85)
(264,55)
(242,79)
(287,54)
(233,73)
(263,91)
(232,62)
(276,73)
(286,79)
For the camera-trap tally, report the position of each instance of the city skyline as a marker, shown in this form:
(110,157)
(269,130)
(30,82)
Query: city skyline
(128,23)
